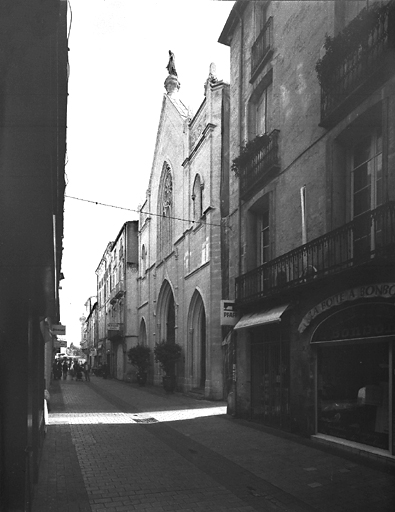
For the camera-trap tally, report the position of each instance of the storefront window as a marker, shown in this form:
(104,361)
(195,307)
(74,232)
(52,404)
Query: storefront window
(353,392)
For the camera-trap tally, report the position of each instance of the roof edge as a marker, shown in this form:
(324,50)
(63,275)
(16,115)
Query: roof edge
(230,25)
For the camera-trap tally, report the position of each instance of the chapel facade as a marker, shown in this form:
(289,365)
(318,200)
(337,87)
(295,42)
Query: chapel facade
(179,277)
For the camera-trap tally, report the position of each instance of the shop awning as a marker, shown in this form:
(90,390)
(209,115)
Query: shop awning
(227,339)
(268,316)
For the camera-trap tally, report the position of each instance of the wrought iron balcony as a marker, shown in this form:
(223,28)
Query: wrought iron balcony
(258,163)
(117,292)
(370,236)
(262,48)
(345,82)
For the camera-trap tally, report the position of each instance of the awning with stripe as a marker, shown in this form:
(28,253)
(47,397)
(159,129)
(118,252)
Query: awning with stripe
(268,316)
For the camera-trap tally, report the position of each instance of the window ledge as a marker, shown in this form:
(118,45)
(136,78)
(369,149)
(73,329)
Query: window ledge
(265,59)
(194,271)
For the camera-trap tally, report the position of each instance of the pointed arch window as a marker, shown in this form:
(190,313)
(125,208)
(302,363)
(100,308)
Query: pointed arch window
(165,203)
(143,260)
(197,198)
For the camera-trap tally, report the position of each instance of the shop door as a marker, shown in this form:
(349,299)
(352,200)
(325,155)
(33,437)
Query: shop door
(270,383)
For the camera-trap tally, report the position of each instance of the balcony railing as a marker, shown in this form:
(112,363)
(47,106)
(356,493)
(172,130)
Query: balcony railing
(370,236)
(348,81)
(117,292)
(261,162)
(262,47)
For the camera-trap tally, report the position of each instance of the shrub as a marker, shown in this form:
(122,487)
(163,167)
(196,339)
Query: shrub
(167,354)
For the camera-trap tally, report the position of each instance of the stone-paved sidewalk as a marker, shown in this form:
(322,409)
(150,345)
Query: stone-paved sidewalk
(112,446)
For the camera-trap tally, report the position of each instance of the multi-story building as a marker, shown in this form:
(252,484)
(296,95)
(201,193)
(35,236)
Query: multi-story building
(180,282)
(89,330)
(83,329)
(91,336)
(103,287)
(117,301)
(312,216)
(33,91)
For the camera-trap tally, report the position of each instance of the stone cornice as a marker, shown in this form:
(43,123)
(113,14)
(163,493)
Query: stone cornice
(208,129)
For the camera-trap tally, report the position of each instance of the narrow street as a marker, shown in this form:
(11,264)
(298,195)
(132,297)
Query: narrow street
(114,447)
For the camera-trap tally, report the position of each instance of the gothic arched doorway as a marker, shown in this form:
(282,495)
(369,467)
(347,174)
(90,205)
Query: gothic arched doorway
(171,321)
(166,314)
(197,346)
(143,333)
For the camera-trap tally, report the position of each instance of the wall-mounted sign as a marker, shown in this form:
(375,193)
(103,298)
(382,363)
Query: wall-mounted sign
(228,312)
(113,327)
(59,343)
(58,329)
(357,322)
(371,291)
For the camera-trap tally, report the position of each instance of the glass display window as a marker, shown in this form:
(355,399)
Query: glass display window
(354,389)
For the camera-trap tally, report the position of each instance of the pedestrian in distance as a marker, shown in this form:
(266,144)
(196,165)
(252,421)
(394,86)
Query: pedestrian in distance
(86,371)
(78,371)
(65,369)
(59,369)
(105,371)
(55,370)
(72,370)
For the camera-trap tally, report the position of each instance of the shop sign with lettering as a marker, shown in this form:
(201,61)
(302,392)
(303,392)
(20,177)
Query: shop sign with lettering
(113,327)
(228,312)
(58,329)
(357,322)
(371,291)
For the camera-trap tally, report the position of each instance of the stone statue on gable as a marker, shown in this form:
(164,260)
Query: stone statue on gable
(171,66)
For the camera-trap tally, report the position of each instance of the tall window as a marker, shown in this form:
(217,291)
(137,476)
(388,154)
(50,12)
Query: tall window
(197,199)
(263,40)
(263,245)
(258,107)
(143,260)
(261,114)
(366,188)
(165,231)
(260,14)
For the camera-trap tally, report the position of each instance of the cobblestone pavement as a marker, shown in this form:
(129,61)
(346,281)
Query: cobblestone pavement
(112,446)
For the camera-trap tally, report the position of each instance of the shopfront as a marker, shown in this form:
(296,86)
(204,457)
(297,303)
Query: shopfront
(354,346)
(266,334)
(270,376)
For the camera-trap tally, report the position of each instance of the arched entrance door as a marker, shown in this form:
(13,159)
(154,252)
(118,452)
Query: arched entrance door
(120,362)
(171,321)
(167,321)
(143,333)
(166,314)
(197,347)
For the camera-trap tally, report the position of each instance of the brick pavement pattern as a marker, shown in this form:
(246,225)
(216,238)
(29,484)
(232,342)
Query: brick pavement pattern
(112,446)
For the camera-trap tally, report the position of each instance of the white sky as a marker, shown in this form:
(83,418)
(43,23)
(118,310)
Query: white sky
(118,56)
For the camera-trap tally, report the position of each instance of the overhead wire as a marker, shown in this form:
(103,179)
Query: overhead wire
(98,203)
(110,205)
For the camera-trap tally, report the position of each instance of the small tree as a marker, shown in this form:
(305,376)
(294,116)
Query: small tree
(139,356)
(167,354)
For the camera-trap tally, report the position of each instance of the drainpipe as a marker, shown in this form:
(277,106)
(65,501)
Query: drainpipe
(303,208)
(125,298)
(241,78)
